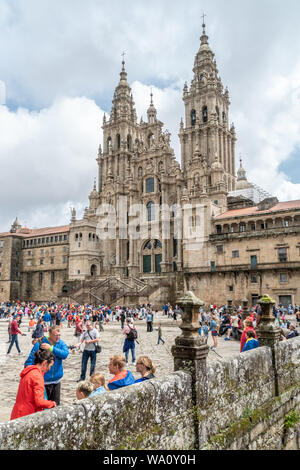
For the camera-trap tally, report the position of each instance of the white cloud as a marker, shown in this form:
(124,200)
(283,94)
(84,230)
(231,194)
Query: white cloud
(47,158)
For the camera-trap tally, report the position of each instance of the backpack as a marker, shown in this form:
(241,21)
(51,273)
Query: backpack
(132,335)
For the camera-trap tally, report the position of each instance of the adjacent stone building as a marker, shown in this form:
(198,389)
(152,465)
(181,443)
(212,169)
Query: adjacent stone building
(226,237)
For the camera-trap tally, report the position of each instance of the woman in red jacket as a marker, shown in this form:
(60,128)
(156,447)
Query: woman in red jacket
(31,395)
(248,325)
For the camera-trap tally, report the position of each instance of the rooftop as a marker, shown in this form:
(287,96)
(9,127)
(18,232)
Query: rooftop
(40,232)
(248,211)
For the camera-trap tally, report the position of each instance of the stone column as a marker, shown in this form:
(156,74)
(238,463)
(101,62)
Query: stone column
(267,333)
(190,354)
(245,312)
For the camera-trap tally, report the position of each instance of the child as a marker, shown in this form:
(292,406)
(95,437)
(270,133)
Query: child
(98,382)
(251,341)
(205,330)
(31,324)
(84,389)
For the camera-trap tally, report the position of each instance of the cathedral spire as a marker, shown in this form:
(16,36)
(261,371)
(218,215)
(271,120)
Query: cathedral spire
(204,37)
(152,113)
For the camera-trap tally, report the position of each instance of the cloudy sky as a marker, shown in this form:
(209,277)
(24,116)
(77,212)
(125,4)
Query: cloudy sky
(60,62)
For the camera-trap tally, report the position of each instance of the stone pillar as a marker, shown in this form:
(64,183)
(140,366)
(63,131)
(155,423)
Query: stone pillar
(230,308)
(267,333)
(190,353)
(245,312)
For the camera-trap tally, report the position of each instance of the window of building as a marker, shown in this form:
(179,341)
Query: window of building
(236,254)
(220,249)
(65,249)
(150,211)
(147,264)
(42,252)
(64,259)
(52,250)
(51,239)
(29,263)
(52,277)
(204,114)
(282,255)
(253,260)
(253,279)
(65,238)
(51,260)
(47,240)
(39,241)
(213,266)
(1,244)
(78,272)
(253,227)
(60,238)
(230,288)
(286,223)
(193,117)
(41,262)
(157,244)
(43,240)
(56,239)
(175,247)
(28,253)
(40,278)
(283,277)
(242,228)
(150,185)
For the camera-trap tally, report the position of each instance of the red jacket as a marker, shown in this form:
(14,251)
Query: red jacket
(30,398)
(14,328)
(244,338)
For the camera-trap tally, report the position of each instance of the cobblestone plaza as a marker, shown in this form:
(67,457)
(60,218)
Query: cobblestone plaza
(111,340)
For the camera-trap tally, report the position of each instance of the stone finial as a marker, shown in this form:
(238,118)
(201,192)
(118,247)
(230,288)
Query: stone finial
(268,334)
(189,347)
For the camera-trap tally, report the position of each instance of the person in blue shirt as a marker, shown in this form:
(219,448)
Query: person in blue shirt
(251,342)
(146,368)
(52,378)
(98,380)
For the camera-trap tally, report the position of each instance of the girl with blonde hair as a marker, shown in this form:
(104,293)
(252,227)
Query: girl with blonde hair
(98,380)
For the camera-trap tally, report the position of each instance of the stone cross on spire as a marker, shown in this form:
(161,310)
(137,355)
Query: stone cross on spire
(203,22)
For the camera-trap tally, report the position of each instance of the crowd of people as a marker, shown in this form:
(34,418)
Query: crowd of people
(221,322)
(40,380)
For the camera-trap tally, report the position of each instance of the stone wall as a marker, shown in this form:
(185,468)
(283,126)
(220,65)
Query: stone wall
(241,410)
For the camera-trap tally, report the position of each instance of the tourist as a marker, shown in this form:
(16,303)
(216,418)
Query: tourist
(160,339)
(123,318)
(84,389)
(251,341)
(146,368)
(130,334)
(30,397)
(14,331)
(79,330)
(100,320)
(205,330)
(293,332)
(235,325)
(9,322)
(38,332)
(53,377)
(47,320)
(122,377)
(149,320)
(98,381)
(91,339)
(214,331)
(248,325)
(31,325)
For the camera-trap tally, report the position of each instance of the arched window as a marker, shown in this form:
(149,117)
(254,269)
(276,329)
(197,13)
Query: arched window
(150,185)
(148,245)
(150,211)
(204,114)
(108,144)
(224,116)
(157,244)
(193,117)
(118,141)
(93,270)
(218,112)
(129,140)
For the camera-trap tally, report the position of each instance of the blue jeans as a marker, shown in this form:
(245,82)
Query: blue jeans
(132,355)
(14,339)
(86,355)
(160,339)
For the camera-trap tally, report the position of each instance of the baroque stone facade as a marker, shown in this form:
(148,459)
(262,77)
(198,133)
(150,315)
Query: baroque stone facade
(225,239)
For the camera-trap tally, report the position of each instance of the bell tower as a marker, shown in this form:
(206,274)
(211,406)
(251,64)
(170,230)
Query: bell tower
(207,140)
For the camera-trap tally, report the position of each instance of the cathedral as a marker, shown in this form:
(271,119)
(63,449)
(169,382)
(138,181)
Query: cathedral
(225,238)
